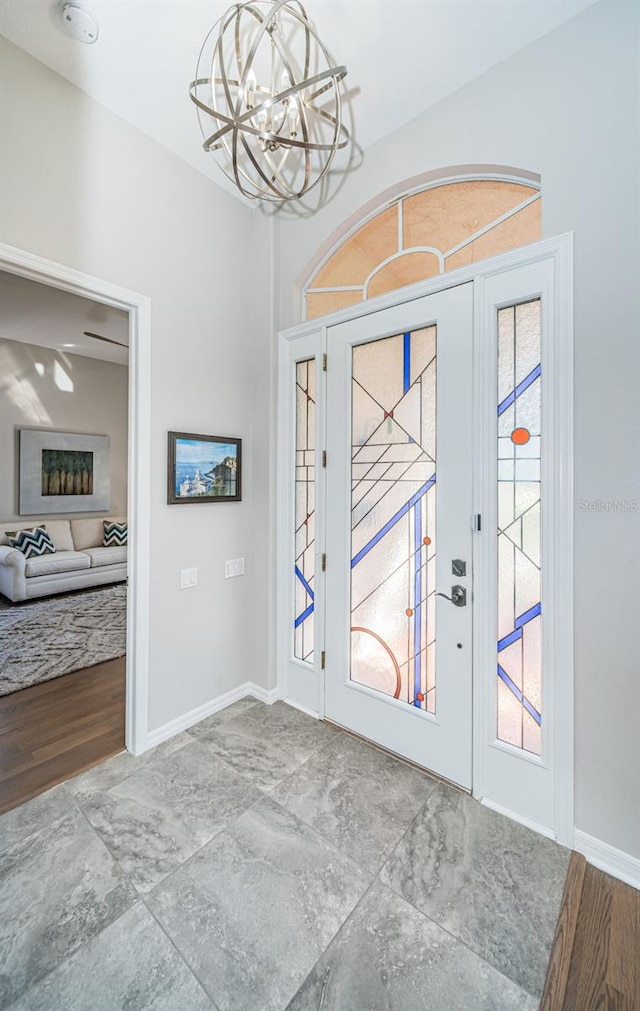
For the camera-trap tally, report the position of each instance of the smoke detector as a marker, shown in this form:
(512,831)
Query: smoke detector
(79,23)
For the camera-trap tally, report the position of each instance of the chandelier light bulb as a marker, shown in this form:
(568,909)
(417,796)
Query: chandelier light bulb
(268,98)
(250,90)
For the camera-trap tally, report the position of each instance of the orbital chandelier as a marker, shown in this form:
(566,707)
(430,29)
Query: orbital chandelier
(268,98)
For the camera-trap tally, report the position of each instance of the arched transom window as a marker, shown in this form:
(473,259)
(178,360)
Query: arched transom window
(424,234)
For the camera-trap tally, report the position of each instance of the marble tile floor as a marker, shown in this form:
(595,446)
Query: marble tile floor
(264,861)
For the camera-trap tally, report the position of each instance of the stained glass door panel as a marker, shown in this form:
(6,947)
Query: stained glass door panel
(399,435)
(305,511)
(393,516)
(519,671)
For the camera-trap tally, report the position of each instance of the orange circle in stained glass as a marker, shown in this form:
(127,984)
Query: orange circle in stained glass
(420,697)
(426,540)
(520,436)
(409,612)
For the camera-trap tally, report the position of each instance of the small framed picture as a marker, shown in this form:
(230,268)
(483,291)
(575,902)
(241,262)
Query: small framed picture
(204,468)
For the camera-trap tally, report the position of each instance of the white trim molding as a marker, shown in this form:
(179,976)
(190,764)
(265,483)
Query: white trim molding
(56,275)
(299,682)
(173,727)
(608,859)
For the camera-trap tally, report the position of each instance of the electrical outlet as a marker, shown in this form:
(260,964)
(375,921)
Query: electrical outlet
(188,578)
(233,567)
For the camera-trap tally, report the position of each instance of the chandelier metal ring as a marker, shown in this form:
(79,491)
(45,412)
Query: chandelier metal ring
(273,139)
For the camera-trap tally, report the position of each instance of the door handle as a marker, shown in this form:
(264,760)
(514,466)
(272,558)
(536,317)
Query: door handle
(458,596)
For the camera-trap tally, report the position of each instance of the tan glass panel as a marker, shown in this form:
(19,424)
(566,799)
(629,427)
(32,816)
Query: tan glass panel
(362,252)
(322,302)
(393,540)
(446,215)
(441,217)
(518,230)
(405,270)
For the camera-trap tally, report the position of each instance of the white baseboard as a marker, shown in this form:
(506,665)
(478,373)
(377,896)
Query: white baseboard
(167,730)
(608,859)
(527,822)
(266,695)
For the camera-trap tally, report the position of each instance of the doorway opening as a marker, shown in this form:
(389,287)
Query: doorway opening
(74,565)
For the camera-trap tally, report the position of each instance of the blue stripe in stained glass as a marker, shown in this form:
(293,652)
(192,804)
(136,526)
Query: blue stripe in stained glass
(392,522)
(533,712)
(305,614)
(528,616)
(508,639)
(304,583)
(520,388)
(406,363)
(519,623)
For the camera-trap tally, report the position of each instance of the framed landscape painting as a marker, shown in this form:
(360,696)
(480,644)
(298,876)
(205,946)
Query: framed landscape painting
(204,468)
(63,472)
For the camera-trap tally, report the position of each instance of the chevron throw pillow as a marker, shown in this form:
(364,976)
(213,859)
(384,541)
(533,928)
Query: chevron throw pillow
(115,534)
(32,543)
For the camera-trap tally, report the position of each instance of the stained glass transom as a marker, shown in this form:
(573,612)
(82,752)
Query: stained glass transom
(422,235)
(304,568)
(393,537)
(519,673)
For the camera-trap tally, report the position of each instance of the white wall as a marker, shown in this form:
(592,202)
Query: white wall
(31,398)
(82,187)
(566,107)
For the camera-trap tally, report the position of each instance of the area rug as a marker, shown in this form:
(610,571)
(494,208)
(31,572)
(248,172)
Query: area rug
(43,639)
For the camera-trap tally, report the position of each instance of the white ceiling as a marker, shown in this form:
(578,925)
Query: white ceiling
(402,56)
(35,313)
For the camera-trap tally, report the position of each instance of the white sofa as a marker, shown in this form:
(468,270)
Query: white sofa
(80,560)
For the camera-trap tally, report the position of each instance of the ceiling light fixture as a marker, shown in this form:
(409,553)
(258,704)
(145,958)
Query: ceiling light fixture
(268,98)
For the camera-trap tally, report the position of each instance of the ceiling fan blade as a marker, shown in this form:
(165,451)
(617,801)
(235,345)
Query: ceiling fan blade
(108,340)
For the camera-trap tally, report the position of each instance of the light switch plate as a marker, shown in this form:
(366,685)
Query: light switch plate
(233,567)
(188,578)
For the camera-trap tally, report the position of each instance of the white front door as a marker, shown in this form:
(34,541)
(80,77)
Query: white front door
(399,538)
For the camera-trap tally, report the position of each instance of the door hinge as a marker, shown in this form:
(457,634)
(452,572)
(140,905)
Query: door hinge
(476,522)
(324,563)
(324,363)
(324,458)
(323,658)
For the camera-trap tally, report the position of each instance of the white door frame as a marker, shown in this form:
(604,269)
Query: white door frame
(559,250)
(36,268)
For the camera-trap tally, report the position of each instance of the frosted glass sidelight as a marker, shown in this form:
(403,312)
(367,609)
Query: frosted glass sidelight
(519,675)
(393,537)
(304,569)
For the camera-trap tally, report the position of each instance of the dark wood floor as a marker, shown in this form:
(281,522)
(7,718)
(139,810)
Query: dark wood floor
(53,731)
(595,961)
